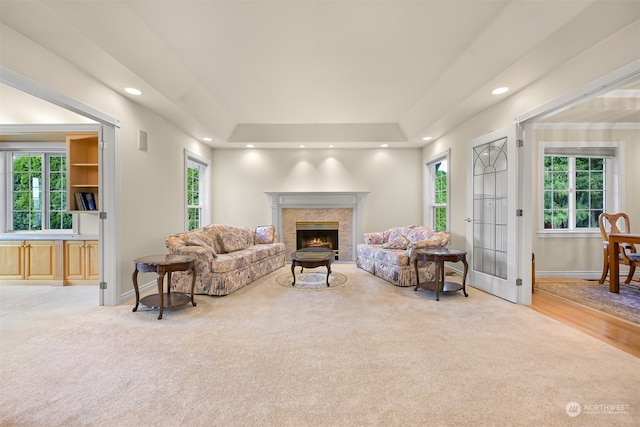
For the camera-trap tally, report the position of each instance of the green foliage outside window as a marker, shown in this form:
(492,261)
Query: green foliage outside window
(30,175)
(441,199)
(588,182)
(27,192)
(59,219)
(589,191)
(193,196)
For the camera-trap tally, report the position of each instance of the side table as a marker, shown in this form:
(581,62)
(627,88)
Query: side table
(164,265)
(439,256)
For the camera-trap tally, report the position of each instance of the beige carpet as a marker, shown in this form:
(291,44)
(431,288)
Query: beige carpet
(315,280)
(364,354)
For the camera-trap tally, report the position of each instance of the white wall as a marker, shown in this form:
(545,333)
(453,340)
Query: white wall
(392,178)
(613,53)
(150,193)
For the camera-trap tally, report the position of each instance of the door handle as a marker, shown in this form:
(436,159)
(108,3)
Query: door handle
(467,219)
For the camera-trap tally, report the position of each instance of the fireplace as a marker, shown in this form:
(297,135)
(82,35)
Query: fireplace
(343,208)
(322,234)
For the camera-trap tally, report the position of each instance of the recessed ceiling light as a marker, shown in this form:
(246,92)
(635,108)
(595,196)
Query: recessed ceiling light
(249,145)
(427,138)
(331,146)
(206,138)
(384,145)
(500,90)
(133,91)
(301,146)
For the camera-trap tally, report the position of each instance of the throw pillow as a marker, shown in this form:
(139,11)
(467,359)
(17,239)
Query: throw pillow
(232,242)
(265,234)
(400,242)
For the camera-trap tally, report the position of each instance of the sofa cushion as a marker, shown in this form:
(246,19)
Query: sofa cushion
(237,260)
(368,251)
(400,242)
(392,256)
(265,234)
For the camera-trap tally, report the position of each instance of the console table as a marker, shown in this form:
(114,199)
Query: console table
(164,265)
(439,256)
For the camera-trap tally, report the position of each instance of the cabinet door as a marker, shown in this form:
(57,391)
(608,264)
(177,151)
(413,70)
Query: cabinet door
(12,260)
(40,260)
(92,260)
(74,260)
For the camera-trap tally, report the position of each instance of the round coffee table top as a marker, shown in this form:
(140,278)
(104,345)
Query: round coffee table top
(312,254)
(165,259)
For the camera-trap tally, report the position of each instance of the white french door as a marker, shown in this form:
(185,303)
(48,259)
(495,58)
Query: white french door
(492,234)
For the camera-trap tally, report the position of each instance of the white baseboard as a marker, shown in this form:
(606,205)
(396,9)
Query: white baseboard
(131,295)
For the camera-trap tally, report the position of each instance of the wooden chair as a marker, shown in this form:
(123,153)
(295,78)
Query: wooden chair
(627,255)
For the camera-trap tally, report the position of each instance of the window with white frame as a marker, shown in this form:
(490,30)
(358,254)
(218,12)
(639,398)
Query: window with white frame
(438,192)
(36,191)
(578,183)
(195,177)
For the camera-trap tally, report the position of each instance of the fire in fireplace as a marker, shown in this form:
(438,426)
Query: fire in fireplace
(317,235)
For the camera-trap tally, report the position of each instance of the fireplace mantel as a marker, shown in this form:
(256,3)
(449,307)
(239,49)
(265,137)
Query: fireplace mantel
(324,199)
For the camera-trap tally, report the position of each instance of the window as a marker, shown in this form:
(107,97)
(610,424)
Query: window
(195,190)
(438,189)
(579,183)
(38,192)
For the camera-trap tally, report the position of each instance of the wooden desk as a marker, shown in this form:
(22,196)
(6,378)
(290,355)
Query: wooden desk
(439,256)
(164,265)
(614,262)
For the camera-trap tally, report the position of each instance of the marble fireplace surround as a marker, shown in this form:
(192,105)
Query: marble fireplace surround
(345,207)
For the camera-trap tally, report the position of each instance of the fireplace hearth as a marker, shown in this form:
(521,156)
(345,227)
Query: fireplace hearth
(323,234)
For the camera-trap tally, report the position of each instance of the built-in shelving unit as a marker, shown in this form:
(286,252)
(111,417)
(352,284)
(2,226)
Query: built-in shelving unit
(83,187)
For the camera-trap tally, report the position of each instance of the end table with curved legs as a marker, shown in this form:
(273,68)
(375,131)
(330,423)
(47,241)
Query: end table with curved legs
(439,256)
(164,265)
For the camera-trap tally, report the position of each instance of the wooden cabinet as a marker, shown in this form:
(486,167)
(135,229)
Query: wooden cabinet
(82,172)
(40,260)
(93,260)
(81,261)
(28,260)
(50,262)
(12,260)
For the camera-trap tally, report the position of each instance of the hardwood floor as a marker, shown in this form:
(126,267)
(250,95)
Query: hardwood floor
(619,333)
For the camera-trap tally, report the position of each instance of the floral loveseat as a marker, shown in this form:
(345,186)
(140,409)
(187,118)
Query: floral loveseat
(389,254)
(227,258)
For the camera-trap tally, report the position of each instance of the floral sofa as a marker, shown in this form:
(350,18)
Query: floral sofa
(227,258)
(390,254)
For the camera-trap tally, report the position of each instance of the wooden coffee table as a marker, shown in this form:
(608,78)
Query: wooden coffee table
(439,256)
(164,265)
(311,258)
